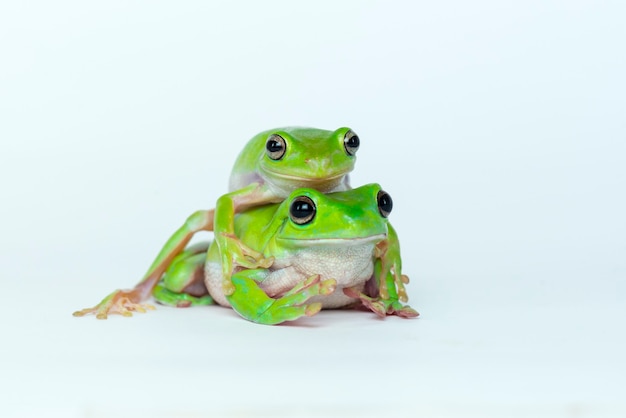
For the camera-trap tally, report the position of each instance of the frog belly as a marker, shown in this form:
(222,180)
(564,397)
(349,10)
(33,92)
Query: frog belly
(213,280)
(350,266)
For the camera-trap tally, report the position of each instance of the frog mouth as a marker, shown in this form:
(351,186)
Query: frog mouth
(334,242)
(312,180)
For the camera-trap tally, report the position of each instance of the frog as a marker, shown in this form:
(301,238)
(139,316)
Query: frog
(325,250)
(271,165)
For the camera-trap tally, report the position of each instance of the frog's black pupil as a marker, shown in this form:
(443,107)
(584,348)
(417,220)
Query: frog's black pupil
(385,203)
(300,209)
(274,146)
(354,142)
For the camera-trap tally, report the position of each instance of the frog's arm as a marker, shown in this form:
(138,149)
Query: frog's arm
(392,303)
(252,303)
(232,251)
(388,252)
(388,281)
(124,302)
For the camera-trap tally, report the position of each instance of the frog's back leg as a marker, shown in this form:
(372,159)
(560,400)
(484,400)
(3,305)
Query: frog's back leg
(125,302)
(183,282)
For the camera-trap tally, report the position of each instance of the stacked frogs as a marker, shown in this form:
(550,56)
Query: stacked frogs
(291,238)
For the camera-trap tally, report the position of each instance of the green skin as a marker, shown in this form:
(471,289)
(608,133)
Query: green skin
(329,262)
(313,158)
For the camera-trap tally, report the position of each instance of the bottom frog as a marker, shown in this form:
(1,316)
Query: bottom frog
(325,251)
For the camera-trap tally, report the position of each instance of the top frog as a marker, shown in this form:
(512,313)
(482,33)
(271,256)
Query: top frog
(268,169)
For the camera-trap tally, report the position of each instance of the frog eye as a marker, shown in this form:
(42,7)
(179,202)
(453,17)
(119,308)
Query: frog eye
(302,210)
(385,204)
(351,142)
(275,147)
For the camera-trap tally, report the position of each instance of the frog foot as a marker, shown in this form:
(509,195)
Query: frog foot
(243,255)
(382,307)
(292,305)
(121,302)
(236,253)
(252,303)
(375,305)
(403,311)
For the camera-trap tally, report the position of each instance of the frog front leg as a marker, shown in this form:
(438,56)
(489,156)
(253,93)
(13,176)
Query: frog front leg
(232,251)
(183,282)
(125,302)
(388,252)
(252,303)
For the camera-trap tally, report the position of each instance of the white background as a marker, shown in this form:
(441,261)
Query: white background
(498,128)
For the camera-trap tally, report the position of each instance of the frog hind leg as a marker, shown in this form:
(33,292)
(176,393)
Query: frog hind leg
(126,301)
(252,303)
(182,284)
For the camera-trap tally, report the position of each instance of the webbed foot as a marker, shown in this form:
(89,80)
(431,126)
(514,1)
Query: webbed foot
(236,253)
(251,302)
(121,302)
(382,307)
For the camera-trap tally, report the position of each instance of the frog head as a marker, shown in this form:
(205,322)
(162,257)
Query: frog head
(308,157)
(311,218)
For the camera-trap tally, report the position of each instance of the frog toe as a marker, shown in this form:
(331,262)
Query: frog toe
(406,312)
(120,302)
(312,309)
(327,287)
